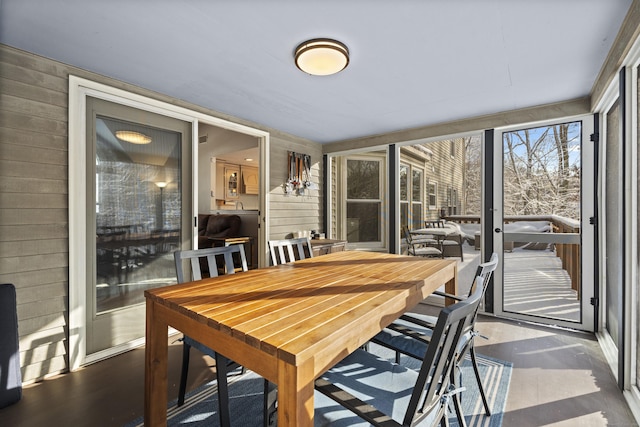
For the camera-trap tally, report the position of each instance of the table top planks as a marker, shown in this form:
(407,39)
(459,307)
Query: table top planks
(292,306)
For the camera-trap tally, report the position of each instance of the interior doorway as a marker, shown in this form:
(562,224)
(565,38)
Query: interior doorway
(229,167)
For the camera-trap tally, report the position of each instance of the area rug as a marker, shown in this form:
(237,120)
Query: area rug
(246,397)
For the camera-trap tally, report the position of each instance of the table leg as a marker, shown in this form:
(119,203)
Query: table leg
(295,396)
(155,373)
(451,287)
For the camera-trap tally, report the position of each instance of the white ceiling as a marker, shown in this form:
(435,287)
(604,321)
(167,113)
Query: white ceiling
(413,62)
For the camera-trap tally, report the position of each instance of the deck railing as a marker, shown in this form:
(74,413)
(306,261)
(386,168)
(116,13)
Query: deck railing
(569,253)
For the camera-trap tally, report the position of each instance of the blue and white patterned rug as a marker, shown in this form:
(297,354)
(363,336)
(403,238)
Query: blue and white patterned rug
(246,397)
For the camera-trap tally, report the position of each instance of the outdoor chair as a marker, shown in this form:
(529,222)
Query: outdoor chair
(425,247)
(434,223)
(282,251)
(410,334)
(373,390)
(210,257)
(289,250)
(451,245)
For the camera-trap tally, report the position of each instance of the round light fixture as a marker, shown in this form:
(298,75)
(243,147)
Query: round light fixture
(133,137)
(321,57)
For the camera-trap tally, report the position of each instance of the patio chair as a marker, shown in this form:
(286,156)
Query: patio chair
(282,251)
(425,247)
(289,250)
(434,223)
(451,245)
(409,334)
(373,390)
(209,256)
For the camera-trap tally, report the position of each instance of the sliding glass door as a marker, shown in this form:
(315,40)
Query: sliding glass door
(139,212)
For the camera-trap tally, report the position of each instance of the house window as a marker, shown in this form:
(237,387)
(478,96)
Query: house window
(411,196)
(452,148)
(364,188)
(404,197)
(432,195)
(417,197)
(452,201)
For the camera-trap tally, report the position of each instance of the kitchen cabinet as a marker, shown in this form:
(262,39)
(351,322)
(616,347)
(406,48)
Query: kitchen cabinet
(231,182)
(228,181)
(249,180)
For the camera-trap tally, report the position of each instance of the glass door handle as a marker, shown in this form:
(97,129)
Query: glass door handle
(498,230)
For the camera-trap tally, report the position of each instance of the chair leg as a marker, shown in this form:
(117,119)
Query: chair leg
(223,390)
(456,379)
(270,404)
(183,375)
(476,370)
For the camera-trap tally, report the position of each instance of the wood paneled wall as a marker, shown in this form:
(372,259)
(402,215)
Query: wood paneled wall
(33,205)
(291,213)
(34,245)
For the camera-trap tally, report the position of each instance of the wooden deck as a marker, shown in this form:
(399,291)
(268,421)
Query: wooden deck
(535,283)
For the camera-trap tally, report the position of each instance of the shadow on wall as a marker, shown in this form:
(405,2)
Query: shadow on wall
(10,378)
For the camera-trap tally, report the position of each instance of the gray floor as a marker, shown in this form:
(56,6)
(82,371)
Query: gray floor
(560,378)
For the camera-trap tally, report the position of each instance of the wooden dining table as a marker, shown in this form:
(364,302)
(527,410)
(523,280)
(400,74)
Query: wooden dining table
(289,323)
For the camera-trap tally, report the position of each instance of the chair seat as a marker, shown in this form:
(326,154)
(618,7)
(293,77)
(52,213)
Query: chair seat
(408,345)
(424,240)
(374,380)
(426,251)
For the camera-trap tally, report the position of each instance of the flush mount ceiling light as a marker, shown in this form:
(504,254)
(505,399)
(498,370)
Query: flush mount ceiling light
(133,137)
(321,57)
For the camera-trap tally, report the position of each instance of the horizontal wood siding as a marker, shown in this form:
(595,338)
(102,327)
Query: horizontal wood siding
(290,213)
(33,206)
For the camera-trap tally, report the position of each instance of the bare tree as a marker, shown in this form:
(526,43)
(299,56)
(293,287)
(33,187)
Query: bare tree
(541,177)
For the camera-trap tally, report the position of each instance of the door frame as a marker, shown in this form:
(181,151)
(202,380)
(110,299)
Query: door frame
(587,232)
(79,90)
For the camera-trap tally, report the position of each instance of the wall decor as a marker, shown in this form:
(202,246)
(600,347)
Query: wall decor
(299,179)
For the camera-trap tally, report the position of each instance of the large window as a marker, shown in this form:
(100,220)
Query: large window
(432,195)
(411,197)
(404,197)
(364,190)
(417,197)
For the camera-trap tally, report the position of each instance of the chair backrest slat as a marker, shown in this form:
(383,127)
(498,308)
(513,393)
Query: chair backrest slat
(290,250)
(209,255)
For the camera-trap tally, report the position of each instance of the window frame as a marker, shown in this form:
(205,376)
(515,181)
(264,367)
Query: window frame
(429,194)
(382,243)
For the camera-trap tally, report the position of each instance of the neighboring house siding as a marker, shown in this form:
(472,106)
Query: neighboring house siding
(34,248)
(447,171)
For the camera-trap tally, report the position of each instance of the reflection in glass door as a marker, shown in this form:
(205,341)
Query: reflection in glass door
(542,225)
(140,215)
